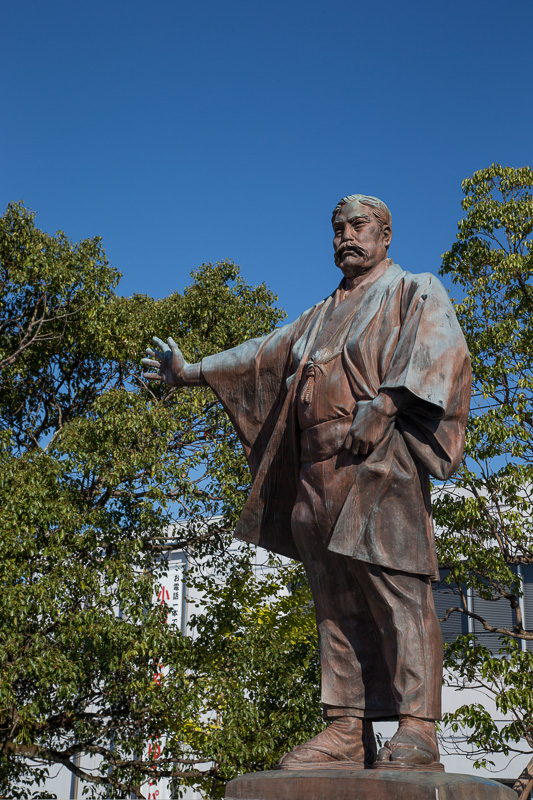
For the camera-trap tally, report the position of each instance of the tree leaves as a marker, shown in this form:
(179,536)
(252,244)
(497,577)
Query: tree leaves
(485,516)
(101,476)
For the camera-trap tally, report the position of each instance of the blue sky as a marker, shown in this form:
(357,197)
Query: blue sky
(184,133)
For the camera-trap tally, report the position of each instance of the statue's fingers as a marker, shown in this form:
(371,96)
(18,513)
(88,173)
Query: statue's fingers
(152,376)
(150,362)
(348,442)
(358,446)
(152,353)
(160,343)
(174,349)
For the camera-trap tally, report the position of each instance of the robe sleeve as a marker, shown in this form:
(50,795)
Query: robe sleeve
(432,363)
(250,380)
(255,383)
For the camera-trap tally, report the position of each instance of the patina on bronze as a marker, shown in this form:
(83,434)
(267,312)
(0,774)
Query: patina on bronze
(343,415)
(384,784)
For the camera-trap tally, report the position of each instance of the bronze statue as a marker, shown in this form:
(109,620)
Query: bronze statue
(343,416)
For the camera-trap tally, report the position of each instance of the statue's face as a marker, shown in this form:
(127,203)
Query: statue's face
(359,241)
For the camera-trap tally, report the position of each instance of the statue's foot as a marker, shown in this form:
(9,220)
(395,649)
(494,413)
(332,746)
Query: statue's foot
(348,743)
(413,746)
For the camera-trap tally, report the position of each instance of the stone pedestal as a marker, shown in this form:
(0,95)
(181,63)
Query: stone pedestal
(364,785)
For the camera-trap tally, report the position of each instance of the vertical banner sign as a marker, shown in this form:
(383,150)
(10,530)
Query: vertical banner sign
(170,591)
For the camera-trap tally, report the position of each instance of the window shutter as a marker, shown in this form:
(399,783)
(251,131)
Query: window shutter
(444,598)
(497,613)
(527,575)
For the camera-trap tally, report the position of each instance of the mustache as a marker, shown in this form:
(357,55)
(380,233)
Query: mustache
(353,248)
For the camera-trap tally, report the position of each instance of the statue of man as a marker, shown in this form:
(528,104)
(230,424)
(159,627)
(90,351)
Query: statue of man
(343,415)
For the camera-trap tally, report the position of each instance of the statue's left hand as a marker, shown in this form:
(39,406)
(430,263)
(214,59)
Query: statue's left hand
(169,362)
(372,422)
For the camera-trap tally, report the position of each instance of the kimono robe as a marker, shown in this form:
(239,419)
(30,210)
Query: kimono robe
(398,331)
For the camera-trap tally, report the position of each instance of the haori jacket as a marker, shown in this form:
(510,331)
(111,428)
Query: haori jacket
(396,331)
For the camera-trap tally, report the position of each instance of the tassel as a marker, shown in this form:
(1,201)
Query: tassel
(307,392)
(311,369)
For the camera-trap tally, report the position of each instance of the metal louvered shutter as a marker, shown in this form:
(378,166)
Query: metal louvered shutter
(497,613)
(527,575)
(444,598)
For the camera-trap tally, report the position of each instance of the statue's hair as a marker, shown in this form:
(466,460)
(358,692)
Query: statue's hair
(377,206)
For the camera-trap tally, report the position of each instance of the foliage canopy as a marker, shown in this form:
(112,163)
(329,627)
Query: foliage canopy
(95,470)
(486,518)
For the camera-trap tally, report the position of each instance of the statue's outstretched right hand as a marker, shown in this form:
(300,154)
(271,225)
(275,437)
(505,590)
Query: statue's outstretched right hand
(167,358)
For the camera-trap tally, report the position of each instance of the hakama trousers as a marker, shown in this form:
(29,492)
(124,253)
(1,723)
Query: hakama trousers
(379,636)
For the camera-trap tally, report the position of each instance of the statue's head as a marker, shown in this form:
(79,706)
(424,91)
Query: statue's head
(361,233)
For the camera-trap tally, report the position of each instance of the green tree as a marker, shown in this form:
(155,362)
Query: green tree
(486,516)
(96,467)
(255,664)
